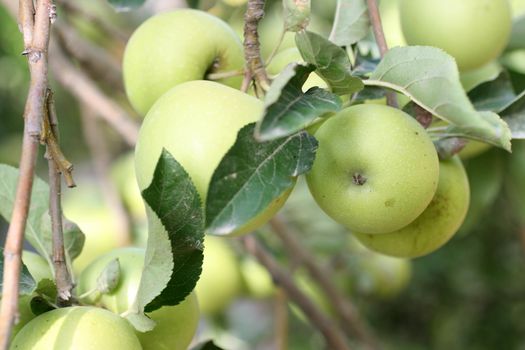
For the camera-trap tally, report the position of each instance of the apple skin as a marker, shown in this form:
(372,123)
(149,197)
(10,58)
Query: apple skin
(474,32)
(79,328)
(257,280)
(174,47)
(176,325)
(436,225)
(220,281)
(375,170)
(197,122)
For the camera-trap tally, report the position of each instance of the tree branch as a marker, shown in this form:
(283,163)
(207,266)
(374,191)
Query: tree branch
(375,19)
(334,338)
(347,313)
(252,52)
(36,40)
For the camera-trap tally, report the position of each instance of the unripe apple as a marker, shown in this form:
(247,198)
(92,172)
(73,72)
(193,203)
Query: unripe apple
(78,328)
(220,281)
(436,225)
(176,325)
(376,168)
(174,47)
(257,280)
(197,122)
(474,32)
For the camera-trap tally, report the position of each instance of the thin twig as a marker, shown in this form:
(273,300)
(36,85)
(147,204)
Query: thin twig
(36,53)
(347,313)
(375,18)
(281,320)
(99,149)
(87,92)
(62,275)
(334,337)
(252,52)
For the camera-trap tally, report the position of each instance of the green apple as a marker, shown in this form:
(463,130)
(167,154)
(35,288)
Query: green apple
(86,207)
(176,325)
(287,56)
(436,225)
(79,328)
(197,122)
(376,168)
(515,61)
(220,281)
(474,149)
(313,292)
(257,280)
(391,22)
(474,32)
(123,174)
(480,75)
(174,47)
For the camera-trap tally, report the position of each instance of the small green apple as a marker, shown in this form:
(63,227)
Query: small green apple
(174,47)
(220,281)
(474,32)
(436,225)
(176,325)
(78,328)
(197,122)
(375,170)
(256,279)
(473,78)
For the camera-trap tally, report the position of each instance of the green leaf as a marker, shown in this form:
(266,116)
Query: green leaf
(26,284)
(140,322)
(430,77)
(296,14)
(74,238)
(175,244)
(514,115)
(331,62)
(209,345)
(47,288)
(351,22)
(517,37)
(40,305)
(288,109)
(126,5)
(364,64)
(493,95)
(39,205)
(109,278)
(251,175)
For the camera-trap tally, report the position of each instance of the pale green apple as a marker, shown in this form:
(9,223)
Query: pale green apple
(86,207)
(474,32)
(515,61)
(376,168)
(257,280)
(475,77)
(290,55)
(390,19)
(474,149)
(78,328)
(174,47)
(123,174)
(436,225)
(220,281)
(197,122)
(176,325)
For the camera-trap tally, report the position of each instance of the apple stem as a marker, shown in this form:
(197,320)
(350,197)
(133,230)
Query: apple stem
(335,339)
(35,25)
(224,75)
(377,27)
(56,169)
(252,52)
(276,48)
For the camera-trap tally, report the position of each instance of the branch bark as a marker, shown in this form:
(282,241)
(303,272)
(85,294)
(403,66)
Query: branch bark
(375,19)
(334,338)
(36,40)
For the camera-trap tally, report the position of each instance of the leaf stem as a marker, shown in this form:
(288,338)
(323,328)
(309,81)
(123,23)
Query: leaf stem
(276,48)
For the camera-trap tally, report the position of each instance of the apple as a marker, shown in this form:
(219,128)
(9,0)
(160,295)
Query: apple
(375,170)
(174,47)
(480,75)
(389,11)
(197,122)
(176,325)
(474,32)
(257,281)
(220,281)
(79,328)
(436,225)
(86,207)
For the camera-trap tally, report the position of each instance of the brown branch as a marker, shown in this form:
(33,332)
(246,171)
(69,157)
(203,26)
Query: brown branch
(87,92)
(36,53)
(334,337)
(347,313)
(99,149)
(252,52)
(375,19)
(62,275)
(281,320)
